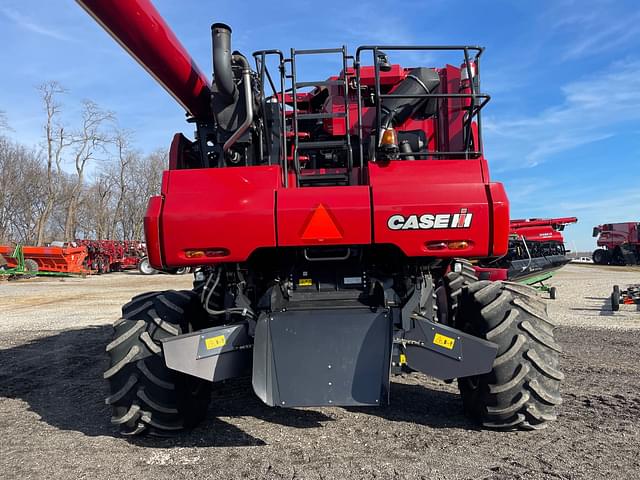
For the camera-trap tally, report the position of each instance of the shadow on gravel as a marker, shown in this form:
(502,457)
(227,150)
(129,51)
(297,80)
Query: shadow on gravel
(603,310)
(60,377)
(422,406)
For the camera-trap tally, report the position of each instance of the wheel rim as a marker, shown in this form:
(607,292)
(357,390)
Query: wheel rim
(146,268)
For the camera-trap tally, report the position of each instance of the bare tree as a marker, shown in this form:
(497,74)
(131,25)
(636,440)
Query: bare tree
(125,157)
(21,192)
(40,198)
(56,141)
(95,208)
(144,178)
(88,141)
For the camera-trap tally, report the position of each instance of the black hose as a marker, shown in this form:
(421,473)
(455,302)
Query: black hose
(420,81)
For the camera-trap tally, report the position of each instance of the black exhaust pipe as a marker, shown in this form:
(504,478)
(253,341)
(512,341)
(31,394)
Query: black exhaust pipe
(223,75)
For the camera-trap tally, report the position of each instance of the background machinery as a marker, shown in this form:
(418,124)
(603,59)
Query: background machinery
(536,252)
(19,261)
(619,244)
(104,256)
(331,222)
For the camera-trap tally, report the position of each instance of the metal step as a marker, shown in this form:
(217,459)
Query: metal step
(322,144)
(317,116)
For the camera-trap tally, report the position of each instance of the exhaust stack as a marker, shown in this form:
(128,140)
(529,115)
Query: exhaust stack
(223,75)
(138,27)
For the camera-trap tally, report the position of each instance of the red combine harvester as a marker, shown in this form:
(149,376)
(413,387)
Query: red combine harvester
(331,222)
(536,251)
(619,242)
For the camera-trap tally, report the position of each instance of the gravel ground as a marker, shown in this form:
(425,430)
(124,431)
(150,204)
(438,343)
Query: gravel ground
(54,424)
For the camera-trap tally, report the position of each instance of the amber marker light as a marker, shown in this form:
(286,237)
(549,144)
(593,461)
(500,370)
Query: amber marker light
(452,245)
(389,138)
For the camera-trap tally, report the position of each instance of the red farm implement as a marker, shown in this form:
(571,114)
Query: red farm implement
(45,260)
(333,223)
(106,256)
(619,244)
(536,252)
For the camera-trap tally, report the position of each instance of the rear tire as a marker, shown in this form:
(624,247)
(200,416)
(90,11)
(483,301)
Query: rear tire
(615,298)
(145,268)
(601,256)
(181,271)
(522,391)
(553,293)
(145,395)
(30,268)
(462,275)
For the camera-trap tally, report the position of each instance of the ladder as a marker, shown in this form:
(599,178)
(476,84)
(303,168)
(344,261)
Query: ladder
(300,146)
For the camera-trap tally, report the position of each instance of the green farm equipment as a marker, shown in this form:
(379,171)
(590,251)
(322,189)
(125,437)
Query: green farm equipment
(537,282)
(51,261)
(23,268)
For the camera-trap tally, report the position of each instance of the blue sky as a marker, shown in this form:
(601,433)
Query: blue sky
(562,130)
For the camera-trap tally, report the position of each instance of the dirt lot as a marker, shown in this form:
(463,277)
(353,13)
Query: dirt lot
(54,424)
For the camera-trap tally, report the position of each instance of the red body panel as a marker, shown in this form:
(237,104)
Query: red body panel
(417,188)
(499,205)
(218,208)
(152,231)
(348,207)
(138,28)
(235,209)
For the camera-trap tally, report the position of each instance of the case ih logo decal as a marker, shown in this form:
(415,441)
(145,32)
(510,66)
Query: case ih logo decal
(429,221)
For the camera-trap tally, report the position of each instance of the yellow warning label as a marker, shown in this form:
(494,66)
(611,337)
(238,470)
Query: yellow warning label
(305,282)
(403,359)
(444,341)
(215,342)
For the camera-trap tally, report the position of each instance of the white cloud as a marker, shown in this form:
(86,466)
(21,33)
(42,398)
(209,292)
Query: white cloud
(592,109)
(584,28)
(28,24)
(597,35)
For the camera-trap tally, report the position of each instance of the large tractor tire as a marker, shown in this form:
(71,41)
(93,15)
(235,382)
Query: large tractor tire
(522,391)
(146,396)
(462,275)
(601,256)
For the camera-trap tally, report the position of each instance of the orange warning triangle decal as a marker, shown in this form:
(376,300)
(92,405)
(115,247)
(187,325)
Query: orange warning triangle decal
(321,226)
